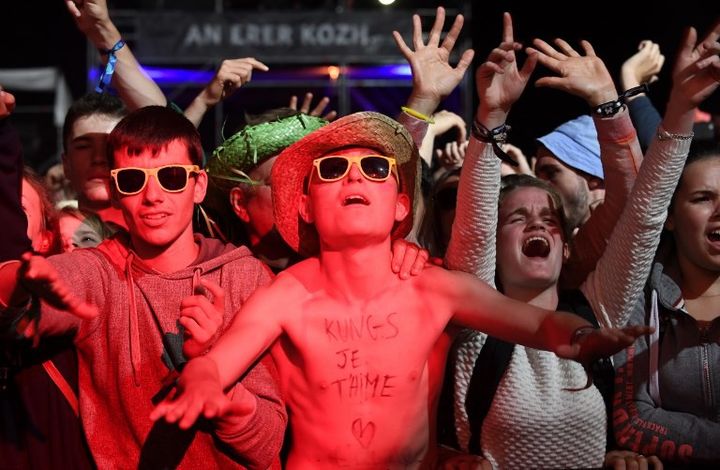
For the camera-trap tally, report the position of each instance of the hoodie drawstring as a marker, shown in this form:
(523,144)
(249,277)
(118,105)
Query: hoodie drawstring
(654,381)
(135,353)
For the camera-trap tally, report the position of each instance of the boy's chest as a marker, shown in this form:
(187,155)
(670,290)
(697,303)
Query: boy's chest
(366,351)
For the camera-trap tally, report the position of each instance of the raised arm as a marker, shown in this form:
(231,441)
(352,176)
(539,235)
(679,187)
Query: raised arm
(136,89)
(433,76)
(621,273)
(472,244)
(499,84)
(643,67)
(587,77)
(231,75)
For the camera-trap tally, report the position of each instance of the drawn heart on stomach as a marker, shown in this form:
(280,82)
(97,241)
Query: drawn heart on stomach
(363,434)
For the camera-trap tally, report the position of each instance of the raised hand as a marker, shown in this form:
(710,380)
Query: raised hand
(523,167)
(581,75)
(643,66)
(444,121)
(317,110)
(231,75)
(453,155)
(93,20)
(498,80)
(202,319)
(696,73)
(37,276)
(433,76)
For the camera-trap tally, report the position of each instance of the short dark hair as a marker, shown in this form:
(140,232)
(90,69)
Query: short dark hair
(153,128)
(88,105)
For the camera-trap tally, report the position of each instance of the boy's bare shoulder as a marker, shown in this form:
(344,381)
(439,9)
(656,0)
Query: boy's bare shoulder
(433,276)
(298,279)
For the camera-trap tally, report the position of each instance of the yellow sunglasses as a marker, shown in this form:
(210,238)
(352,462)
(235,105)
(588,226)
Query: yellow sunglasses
(372,167)
(172,178)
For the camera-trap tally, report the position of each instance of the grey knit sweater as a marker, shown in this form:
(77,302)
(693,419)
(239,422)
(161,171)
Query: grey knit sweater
(533,422)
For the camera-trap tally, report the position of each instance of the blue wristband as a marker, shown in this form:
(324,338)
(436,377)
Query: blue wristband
(107,73)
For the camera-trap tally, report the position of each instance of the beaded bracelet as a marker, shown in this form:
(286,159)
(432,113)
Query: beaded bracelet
(109,69)
(662,134)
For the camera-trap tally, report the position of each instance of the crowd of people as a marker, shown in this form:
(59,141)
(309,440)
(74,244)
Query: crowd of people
(359,291)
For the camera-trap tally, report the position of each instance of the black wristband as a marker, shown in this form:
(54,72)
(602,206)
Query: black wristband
(611,108)
(495,137)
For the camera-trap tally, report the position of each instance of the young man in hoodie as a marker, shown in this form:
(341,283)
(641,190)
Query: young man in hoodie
(155,296)
(361,352)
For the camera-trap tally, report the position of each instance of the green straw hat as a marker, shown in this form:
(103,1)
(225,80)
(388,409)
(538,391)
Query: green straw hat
(252,145)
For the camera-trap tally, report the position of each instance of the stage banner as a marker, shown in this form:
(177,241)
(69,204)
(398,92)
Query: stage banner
(287,37)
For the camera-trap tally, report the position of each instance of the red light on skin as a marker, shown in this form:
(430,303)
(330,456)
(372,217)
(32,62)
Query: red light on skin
(333,72)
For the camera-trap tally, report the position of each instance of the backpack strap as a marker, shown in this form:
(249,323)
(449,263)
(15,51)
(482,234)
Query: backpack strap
(489,368)
(63,385)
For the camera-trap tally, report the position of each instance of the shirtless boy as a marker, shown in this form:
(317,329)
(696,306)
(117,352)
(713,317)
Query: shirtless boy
(361,352)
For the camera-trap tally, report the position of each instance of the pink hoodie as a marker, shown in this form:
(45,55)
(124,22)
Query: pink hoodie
(125,354)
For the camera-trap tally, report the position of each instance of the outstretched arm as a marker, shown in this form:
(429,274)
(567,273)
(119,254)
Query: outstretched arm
(35,275)
(500,83)
(136,89)
(643,67)
(476,305)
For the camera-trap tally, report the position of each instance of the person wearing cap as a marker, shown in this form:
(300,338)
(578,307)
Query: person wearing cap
(592,162)
(569,159)
(360,351)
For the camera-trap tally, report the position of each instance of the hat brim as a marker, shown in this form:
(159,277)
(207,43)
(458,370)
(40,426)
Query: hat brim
(294,164)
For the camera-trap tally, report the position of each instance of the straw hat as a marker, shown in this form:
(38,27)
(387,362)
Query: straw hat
(364,129)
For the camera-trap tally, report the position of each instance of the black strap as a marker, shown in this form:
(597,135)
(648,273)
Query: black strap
(495,357)
(489,368)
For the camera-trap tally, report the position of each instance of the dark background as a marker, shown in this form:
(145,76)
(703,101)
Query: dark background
(41,33)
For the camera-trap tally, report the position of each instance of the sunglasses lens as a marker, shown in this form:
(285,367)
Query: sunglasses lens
(173,178)
(333,168)
(130,180)
(375,167)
